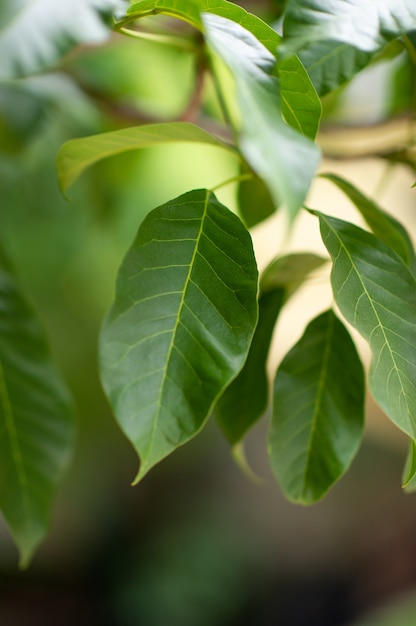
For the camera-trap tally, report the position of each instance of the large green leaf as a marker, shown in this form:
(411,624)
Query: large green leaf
(36,422)
(318,410)
(300,103)
(366,24)
(376,293)
(182,322)
(246,399)
(44,30)
(383,225)
(77,154)
(283,158)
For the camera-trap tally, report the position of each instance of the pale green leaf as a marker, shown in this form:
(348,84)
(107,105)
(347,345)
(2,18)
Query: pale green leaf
(283,158)
(246,399)
(42,31)
(376,292)
(36,421)
(76,155)
(365,24)
(383,225)
(182,322)
(318,411)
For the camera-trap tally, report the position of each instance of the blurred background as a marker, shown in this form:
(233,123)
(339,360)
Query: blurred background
(196,543)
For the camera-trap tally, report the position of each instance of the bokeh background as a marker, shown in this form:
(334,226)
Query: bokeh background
(196,543)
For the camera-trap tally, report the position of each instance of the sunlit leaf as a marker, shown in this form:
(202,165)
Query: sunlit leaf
(283,158)
(44,30)
(36,422)
(246,399)
(376,293)
(365,24)
(383,225)
(318,410)
(77,154)
(182,322)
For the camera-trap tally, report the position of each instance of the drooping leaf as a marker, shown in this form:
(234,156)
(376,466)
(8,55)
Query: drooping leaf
(318,410)
(182,322)
(254,201)
(365,24)
(246,399)
(44,30)
(36,422)
(283,158)
(409,471)
(77,154)
(330,64)
(383,225)
(376,292)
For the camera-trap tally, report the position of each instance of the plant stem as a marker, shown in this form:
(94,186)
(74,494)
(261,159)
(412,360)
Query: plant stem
(410,49)
(234,179)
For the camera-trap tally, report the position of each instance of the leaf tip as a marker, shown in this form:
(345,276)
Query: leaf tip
(239,456)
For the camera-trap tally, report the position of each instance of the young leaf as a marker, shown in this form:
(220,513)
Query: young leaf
(318,411)
(283,158)
(77,154)
(182,322)
(36,422)
(383,225)
(43,31)
(365,24)
(245,400)
(376,293)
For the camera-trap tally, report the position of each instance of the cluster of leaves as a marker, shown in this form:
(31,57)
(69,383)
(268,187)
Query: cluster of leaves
(189,332)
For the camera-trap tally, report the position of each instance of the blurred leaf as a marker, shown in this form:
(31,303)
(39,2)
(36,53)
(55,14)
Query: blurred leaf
(44,31)
(245,400)
(283,158)
(78,154)
(409,471)
(376,293)
(36,423)
(254,201)
(383,225)
(318,410)
(182,322)
(365,24)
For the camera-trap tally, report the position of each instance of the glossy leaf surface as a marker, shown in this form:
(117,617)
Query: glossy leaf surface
(36,421)
(318,410)
(44,30)
(376,293)
(283,158)
(246,399)
(76,155)
(383,225)
(182,322)
(365,24)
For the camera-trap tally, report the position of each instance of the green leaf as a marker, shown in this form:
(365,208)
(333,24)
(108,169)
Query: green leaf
(376,293)
(44,30)
(77,154)
(245,400)
(182,322)
(330,64)
(254,201)
(318,411)
(36,422)
(283,158)
(364,24)
(409,471)
(383,225)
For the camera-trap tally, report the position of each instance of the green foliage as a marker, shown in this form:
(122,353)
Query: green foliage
(191,326)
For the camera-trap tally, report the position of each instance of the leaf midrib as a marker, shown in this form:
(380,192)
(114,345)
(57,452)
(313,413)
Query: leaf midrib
(174,333)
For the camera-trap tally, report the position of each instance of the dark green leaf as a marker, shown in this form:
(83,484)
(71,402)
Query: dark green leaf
(182,322)
(318,411)
(409,472)
(383,225)
(43,31)
(246,399)
(76,155)
(36,422)
(283,158)
(365,24)
(376,293)
(254,201)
